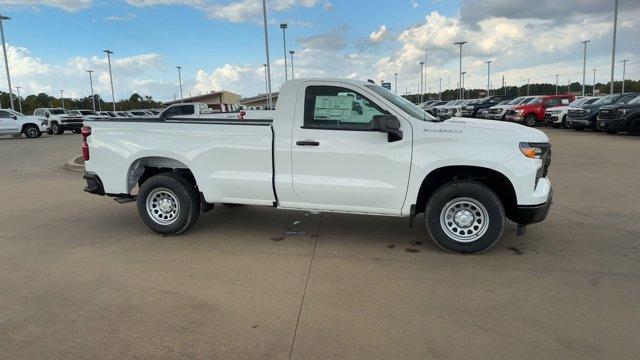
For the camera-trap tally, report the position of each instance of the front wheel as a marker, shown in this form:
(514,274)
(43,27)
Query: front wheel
(563,124)
(634,127)
(465,217)
(168,204)
(32,131)
(56,129)
(530,120)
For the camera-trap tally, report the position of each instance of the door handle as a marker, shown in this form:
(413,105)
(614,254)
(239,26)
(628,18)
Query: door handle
(307,143)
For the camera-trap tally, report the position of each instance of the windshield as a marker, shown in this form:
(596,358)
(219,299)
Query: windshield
(635,100)
(625,99)
(516,101)
(577,102)
(57,111)
(534,101)
(87,112)
(404,104)
(609,99)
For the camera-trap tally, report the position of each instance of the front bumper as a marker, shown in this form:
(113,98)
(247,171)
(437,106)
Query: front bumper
(514,118)
(612,125)
(552,118)
(531,214)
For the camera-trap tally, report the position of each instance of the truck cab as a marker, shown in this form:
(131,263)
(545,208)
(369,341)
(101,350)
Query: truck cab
(533,111)
(620,117)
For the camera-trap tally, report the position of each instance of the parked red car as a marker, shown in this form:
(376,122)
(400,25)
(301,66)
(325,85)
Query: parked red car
(533,112)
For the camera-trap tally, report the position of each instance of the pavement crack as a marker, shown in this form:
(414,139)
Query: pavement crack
(306,284)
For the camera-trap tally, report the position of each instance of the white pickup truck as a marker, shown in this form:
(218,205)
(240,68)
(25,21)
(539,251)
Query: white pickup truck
(15,123)
(331,145)
(59,120)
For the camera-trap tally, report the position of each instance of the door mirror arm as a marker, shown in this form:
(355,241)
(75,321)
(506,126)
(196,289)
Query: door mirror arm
(387,124)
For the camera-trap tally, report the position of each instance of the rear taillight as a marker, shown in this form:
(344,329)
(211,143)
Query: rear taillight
(86,131)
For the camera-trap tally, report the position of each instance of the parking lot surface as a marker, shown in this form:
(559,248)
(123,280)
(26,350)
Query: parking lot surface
(82,277)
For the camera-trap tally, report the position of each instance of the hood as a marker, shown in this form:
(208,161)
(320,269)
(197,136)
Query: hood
(523,133)
(561,107)
(525,106)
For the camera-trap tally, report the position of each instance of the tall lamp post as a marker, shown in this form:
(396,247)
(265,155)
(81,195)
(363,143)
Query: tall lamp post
(421,80)
(460,43)
(291,52)
(613,49)
(284,42)
(584,67)
(396,77)
(6,60)
(266,85)
(527,87)
(593,89)
(489,77)
(93,97)
(624,66)
(113,95)
(266,46)
(180,81)
(462,83)
(19,100)
(557,83)
(62,98)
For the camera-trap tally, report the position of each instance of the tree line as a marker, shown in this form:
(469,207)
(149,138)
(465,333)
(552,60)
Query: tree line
(534,89)
(42,100)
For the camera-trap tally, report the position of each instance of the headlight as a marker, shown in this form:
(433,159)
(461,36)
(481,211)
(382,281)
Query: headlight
(555,111)
(519,112)
(534,150)
(624,112)
(587,111)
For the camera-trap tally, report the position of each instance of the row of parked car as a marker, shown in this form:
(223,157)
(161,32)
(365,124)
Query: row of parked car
(57,121)
(610,113)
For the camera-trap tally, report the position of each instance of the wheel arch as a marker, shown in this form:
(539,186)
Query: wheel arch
(493,179)
(24,126)
(145,167)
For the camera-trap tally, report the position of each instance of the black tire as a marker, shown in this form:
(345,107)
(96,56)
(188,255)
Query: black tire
(563,123)
(183,191)
(450,194)
(56,129)
(634,127)
(530,120)
(31,131)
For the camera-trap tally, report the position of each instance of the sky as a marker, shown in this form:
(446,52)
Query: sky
(220,43)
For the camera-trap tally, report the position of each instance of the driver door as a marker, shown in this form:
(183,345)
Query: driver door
(338,162)
(7,123)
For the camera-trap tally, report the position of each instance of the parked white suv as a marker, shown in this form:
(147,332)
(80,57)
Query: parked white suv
(59,120)
(13,122)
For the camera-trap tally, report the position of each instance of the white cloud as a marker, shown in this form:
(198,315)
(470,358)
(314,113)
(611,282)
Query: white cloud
(126,17)
(328,6)
(69,5)
(379,35)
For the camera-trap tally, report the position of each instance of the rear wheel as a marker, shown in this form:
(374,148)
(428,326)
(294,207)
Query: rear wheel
(31,131)
(56,129)
(465,217)
(168,204)
(530,120)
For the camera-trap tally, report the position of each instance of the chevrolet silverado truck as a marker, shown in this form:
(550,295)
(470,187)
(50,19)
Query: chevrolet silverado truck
(586,116)
(622,117)
(59,120)
(15,123)
(532,112)
(331,145)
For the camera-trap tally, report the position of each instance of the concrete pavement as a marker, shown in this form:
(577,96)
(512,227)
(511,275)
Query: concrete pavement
(81,277)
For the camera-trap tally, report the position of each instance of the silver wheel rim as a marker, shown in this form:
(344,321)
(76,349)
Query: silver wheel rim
(163,206)
(32,132)
(464,219)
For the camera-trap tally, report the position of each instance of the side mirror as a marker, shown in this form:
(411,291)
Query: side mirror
(14,117)
(46,115)
(387,124)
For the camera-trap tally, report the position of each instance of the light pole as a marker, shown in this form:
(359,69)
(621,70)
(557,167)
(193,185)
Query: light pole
(396,76)
(6,60)
(489,76)
(593,89)
(421,79)
(62,98)
(439,88)
(113,95)
(266,46)
(284,42)
(527,87)
(460,43)
(504,85)
(266,84)
(613,50)
(557,84)
(19,101)
(291,52)
(584,67)
(180,81)
(624,66)
(462,83)
(426,54)
(93,97)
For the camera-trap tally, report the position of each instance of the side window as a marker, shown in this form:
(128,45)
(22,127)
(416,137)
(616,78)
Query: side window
(332,107)
(565,101)
(4,115)
(185,110)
